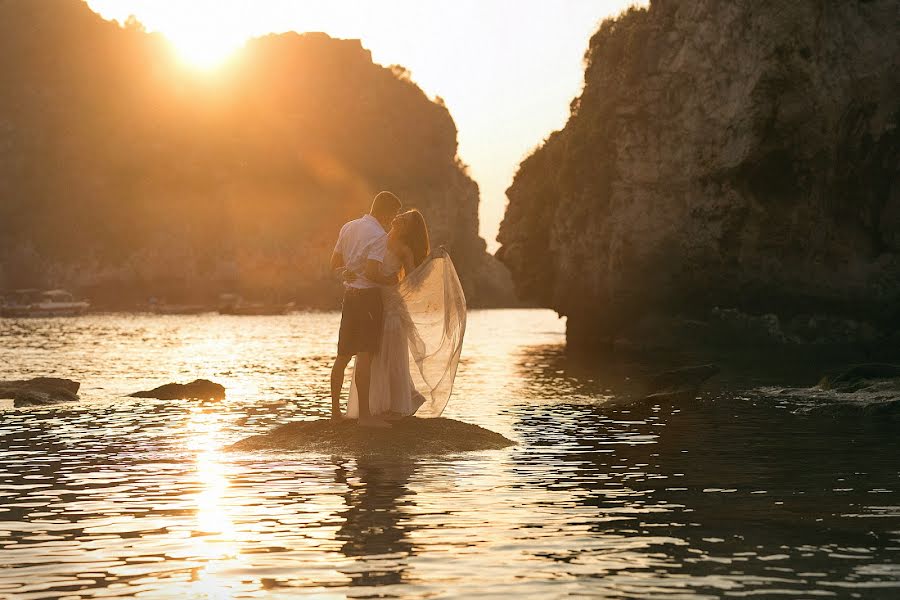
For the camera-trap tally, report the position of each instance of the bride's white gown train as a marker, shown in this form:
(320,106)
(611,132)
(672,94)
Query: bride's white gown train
(424,325)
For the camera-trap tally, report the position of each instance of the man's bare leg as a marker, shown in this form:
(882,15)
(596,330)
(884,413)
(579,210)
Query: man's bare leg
(363,378)
(337,383)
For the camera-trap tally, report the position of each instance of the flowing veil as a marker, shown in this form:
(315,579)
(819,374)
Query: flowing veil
(432,308)
(434,300)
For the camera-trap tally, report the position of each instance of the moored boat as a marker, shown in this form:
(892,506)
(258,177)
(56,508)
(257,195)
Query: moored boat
(50,303)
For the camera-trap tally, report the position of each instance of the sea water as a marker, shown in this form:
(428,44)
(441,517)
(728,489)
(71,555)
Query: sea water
(742,491)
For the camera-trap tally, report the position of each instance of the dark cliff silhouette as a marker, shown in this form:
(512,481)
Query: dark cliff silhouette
(730,166)
(124,174)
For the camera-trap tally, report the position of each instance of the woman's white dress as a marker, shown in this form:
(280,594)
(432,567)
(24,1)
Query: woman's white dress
(421,341)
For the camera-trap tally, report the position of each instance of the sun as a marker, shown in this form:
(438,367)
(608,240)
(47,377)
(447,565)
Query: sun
(203,47)
(204,33)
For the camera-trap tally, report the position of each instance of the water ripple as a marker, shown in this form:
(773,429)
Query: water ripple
(603,495)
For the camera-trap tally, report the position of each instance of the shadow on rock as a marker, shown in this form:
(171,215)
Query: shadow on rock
(407,436)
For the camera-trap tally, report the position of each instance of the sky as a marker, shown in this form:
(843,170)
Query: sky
(506,69)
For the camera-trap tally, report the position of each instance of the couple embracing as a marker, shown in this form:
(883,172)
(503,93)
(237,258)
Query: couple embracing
(403,317)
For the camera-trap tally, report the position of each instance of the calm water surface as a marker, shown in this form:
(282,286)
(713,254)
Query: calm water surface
(742,492)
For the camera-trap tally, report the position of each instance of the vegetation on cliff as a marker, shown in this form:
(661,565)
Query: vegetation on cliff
(730,161)
(124,174)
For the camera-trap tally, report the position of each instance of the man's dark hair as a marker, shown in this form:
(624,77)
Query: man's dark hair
(385,203)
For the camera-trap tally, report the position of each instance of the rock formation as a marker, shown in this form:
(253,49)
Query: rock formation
(39,391)
(409,436)
(741,155)
(125,174)
(861,377)
(200,389)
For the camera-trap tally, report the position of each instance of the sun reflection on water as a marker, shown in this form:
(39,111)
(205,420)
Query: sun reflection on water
(214,540)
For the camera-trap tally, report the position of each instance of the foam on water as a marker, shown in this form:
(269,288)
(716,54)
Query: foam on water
(876,397)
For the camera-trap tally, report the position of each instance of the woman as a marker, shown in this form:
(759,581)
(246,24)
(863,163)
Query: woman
(424,324)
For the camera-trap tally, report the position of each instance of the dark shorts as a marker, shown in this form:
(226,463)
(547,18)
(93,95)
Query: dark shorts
(361,321)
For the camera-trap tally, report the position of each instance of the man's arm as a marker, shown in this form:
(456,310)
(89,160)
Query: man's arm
(338,267)
(373,263)
(337,261)
(373,274)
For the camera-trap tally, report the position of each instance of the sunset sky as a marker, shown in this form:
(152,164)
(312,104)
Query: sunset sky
(507,69)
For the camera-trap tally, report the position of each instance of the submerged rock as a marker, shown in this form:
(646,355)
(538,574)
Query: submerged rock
(407,436)
(202,389)
(39,391)
(680,384)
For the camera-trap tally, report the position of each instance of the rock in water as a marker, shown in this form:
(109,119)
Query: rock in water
(8,389)
(201,389)
(860,377)
(32,397)
(680,384)
(39,391)
(734,154)
(407,436)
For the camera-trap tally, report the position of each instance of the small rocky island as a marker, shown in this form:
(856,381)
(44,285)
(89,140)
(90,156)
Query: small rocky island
(730,167)
(408,436)
(199,389)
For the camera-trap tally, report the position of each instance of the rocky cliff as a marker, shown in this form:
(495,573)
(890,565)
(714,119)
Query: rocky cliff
(124,174)
(732,162)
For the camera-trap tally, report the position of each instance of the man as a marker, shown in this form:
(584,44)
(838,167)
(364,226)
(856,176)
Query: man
(360,250)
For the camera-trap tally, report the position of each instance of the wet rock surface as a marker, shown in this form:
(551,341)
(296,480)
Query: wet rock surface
(28,397)
(869,391)
(406,436)
(862,377)
(201,389)
(39,391)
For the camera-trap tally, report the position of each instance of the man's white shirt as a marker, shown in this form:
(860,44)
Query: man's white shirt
(361,240)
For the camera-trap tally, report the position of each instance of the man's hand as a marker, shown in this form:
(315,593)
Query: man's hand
(373,273)
(347,275)
(337,262)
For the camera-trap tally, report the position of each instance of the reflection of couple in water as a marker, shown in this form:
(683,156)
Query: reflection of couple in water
(403,317)
(374,523)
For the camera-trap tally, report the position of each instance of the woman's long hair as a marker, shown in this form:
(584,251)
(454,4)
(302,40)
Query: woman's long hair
(416,237)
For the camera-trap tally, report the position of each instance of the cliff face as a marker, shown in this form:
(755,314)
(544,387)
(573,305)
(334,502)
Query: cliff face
(741,155)
(124,174)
